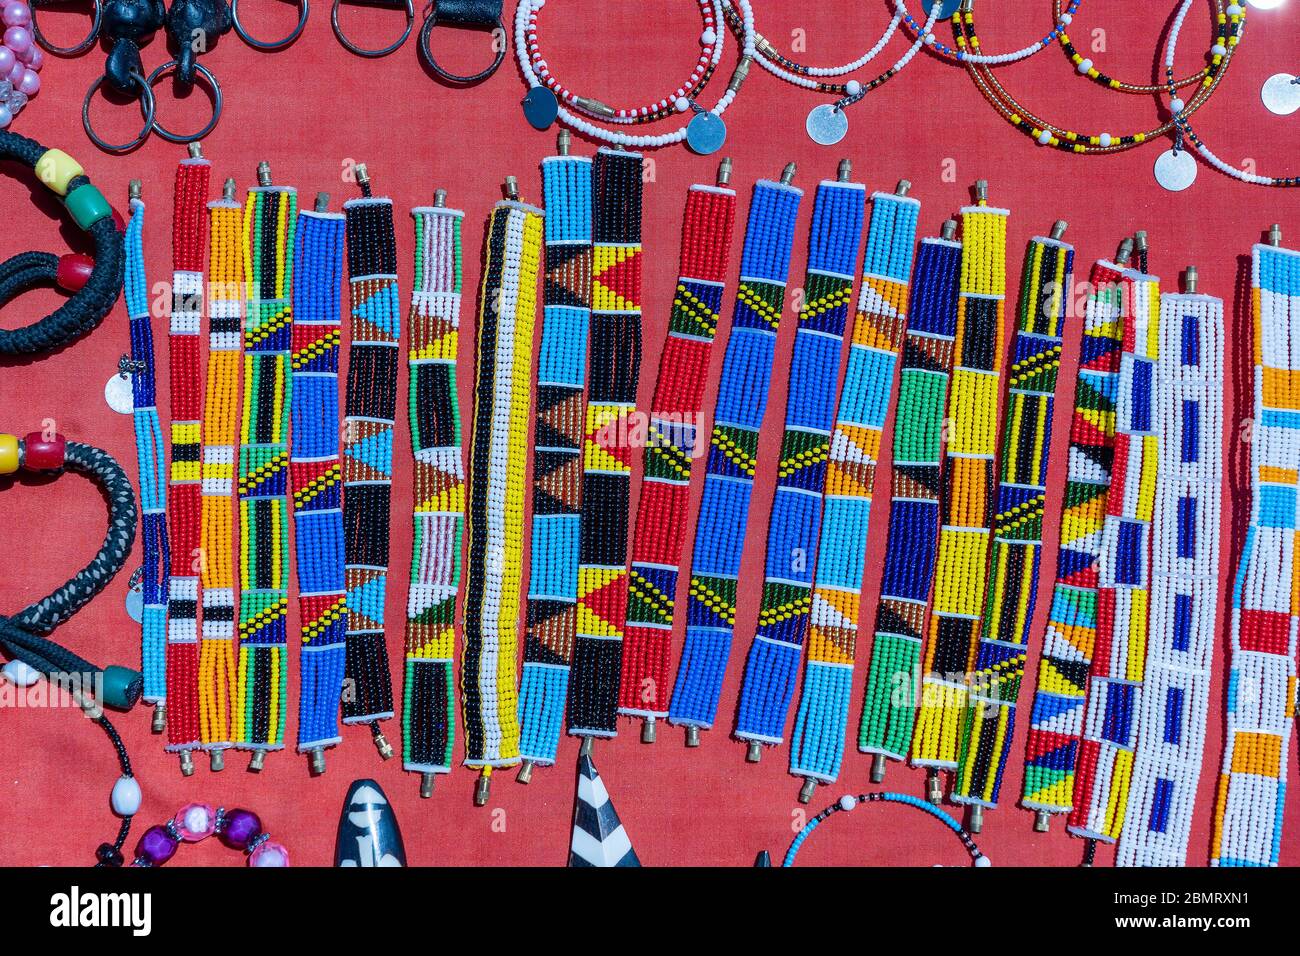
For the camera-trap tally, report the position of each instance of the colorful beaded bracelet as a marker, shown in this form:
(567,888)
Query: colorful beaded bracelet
(195,822)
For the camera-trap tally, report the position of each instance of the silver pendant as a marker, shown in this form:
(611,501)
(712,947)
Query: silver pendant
(705,133)
(1175,169)
(1281,94)
(135,604)
(541,107)
(117,393)
(827,125)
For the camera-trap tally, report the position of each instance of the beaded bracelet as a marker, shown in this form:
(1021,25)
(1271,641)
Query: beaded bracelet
(1085,67)
(967,503)
(261,686)
(374,333)
(1248,813)
(315,473)
(497,465)
(733,453)
(185,481)
(552,614)
(817,747)
(772,663)
(1056,716)
(1123,577)
(673,443)
(1046,285)
(195,822)
(617,184)
(964,52)
(885,730)
(1184,582)
(429,701)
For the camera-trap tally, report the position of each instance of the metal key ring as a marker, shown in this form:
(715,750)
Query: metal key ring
(430,22)
(76,49)
(147,107)
(273,44)
(361,51)
(213,85)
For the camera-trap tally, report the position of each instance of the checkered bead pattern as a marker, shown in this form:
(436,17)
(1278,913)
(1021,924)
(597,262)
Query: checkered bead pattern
(733,453)
(1184,584)
(1262,670)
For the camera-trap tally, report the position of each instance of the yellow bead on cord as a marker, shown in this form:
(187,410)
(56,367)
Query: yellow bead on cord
(56,169)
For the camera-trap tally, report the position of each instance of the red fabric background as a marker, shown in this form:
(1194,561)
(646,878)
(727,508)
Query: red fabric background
(311,108)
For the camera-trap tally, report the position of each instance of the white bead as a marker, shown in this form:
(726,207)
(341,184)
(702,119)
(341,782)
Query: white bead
(848,802)
(1066,19)
(126,797)
(1104,139)
(21,674)
(1176,106)
(1234,10)
(853,87)
(983,861)
(1045,137)
(1085,66)
(1219,49)
(682,104)
(708,38)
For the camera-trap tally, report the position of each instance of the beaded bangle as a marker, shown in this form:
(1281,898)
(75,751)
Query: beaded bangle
(772,664)
(429,699)
(195,822)
(912,538)
(260,692)
(967,503)
(1056,717)
(733,453)
(1123,578)
(1184,583)
(151,456)
(495,526)
(1085,67)
(189,235)
(964,52)
(217,671)
(1248,813)
(316,475)
(817,747)
(557,464)
(673,443)
(374,332)
(607,451)
(1046,285)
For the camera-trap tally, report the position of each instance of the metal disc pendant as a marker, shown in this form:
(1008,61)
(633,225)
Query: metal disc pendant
(706,133)
(117,392)
(827,125)
(1281,94)
(1175,169)
(541,107)
(947,8)
(135,604)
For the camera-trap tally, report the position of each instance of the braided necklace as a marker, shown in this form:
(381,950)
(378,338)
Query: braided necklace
(1184,579)
(1056,716)
(374,332)
(258,710)
(733,453)
(772,664)
(967,505)
(913,534)
(315,473)
(557,463)
(673,443)
(429,705)
(1046,284)
(1248,813)
(817,747)
(495,526)
(184,503)
(607,450)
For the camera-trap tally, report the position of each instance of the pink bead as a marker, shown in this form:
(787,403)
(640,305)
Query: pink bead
(269,854)
(35,57)
(30,82)
(195,822)
(16,14)
(18,39)
(7,60)
(15,75)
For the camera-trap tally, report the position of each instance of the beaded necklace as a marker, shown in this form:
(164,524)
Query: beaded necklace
(772,664)
(1045,288)
(1124,578)
(970,53)
(374,330)
(151,456)
(1262,672)
(428,709)
(733,453)
(817,747)
(258,709)
(912,539)
(967,502)
(185,479)
(495,526)
(220,424)
(672,446)
(1184,582)
(607,451)
(1085,67)
(1056,717)
(315,473)
(557,464)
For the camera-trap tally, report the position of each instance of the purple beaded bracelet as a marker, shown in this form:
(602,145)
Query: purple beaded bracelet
(195,822)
